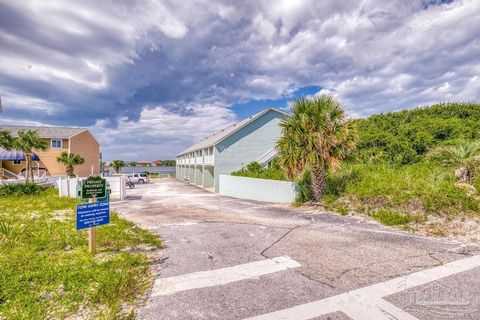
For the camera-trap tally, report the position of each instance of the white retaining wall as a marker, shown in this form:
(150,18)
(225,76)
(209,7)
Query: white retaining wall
(258,189)
(117,185)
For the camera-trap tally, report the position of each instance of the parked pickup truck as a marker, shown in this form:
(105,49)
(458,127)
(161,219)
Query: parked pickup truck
(140,178)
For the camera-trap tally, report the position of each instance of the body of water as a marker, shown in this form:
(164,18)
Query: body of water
(160,170)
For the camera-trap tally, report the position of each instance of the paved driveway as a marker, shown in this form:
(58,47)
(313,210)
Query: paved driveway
(227,258)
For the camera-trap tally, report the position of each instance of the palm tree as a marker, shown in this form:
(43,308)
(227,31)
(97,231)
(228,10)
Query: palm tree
(466,155)
(70,160)
(316,137)
(6,140)
(27,141)
(117,165)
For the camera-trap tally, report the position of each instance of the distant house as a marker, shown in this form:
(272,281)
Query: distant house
(143,163)
(74,140)
(230,149)
(157,163)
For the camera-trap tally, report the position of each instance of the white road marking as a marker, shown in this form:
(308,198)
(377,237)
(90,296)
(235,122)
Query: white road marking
(211,278)
(394,311)
(367,303)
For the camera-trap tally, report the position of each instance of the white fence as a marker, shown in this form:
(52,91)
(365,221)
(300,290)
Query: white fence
(67,187)
(258,189)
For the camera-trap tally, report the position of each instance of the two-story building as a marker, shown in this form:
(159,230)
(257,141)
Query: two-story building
(230,149)
(60,139)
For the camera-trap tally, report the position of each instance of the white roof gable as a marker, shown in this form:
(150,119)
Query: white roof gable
(218,136)
(45,132)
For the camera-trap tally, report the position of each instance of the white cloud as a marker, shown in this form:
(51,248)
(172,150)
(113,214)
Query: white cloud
(160,132)
(120,61)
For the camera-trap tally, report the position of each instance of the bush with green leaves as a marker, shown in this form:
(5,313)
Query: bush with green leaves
(423,188)
(19,189)
(405,137)
(256,170)
(304,188)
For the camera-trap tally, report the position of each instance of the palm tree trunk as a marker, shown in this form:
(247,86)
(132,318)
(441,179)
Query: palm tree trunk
(31,169)
(69,171)
(28,160)
(318,182)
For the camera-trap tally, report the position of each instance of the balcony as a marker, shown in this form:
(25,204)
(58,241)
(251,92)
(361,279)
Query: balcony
(202,160)
(208,160)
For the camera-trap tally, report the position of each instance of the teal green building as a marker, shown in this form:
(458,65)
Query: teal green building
(230,149)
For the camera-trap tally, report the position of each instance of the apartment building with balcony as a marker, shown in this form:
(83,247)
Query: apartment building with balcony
(230,149)
(59,139)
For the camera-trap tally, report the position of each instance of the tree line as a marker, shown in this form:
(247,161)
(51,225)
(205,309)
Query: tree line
(318,137)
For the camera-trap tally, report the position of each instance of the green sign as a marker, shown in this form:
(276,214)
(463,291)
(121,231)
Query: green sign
(94,187)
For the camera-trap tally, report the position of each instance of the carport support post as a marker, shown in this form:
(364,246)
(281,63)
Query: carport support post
(92,234)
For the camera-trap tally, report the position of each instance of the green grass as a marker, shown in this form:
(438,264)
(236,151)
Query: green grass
(393,195)
(391,217)
(47,271)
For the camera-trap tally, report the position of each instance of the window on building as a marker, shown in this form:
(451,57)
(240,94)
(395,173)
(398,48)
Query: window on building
(56,143)
(17,161)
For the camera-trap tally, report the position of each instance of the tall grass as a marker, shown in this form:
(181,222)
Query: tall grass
(19,189)
(421,188)
(47,271)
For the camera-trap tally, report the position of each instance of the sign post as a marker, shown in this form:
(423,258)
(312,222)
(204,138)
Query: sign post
(92,234)
(93,213)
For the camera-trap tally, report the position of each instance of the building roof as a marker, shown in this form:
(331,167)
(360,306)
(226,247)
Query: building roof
(45,132)
(12,155)
(267,157)
(218,136)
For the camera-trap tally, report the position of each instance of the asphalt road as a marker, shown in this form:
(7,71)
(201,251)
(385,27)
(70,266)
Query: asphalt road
(227,258)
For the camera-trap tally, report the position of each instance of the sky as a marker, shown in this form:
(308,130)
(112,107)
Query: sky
(149,78)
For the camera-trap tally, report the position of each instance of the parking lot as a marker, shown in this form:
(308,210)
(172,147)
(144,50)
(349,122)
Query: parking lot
(227,258)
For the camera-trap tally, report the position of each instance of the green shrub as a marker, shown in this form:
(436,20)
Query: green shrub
(254,167)
(405,137)
(19,189)
(421,187)
(338,181)
(391,217)
(256,170)
(304,188)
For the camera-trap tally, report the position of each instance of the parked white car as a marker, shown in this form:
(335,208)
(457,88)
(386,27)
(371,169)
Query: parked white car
(140,178)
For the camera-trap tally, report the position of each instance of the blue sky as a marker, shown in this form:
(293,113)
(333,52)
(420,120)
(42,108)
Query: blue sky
(245,109)
(151,77)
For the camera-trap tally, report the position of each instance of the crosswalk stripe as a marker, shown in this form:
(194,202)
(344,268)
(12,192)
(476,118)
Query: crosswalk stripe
(363,303)
(211,278)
